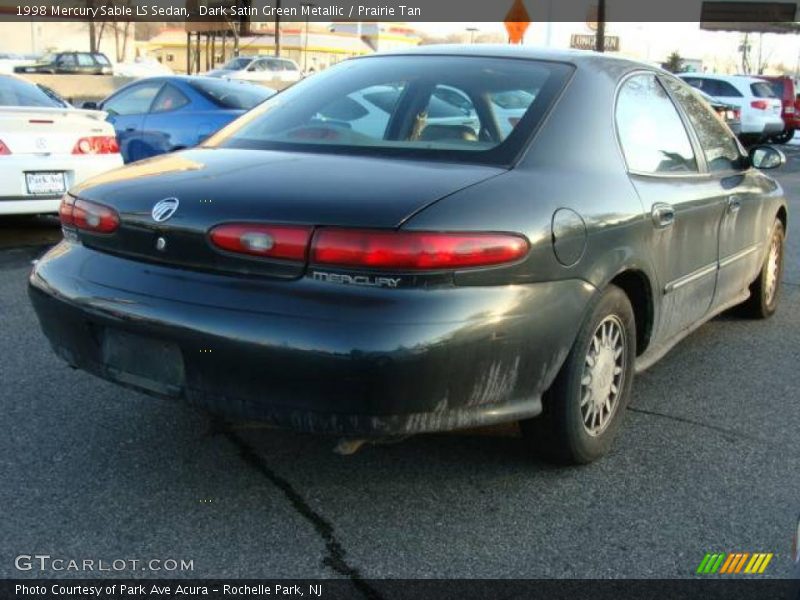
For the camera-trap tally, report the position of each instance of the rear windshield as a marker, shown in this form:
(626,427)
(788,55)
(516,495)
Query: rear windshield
(232,94)
(14,92)
(762,89)
(468,108)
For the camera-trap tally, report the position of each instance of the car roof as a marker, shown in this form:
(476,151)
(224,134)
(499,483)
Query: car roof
(728,78)
(578,58)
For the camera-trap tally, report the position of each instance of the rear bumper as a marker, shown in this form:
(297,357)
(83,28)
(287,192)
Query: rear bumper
(310,355)
(14,196)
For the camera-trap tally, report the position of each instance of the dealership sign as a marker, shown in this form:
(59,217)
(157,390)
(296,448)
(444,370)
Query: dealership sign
(583,41)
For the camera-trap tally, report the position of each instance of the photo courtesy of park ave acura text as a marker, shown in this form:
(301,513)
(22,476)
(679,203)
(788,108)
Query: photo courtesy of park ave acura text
(400,299)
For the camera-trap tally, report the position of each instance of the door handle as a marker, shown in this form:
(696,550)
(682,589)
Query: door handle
(663,215)
(129,129)
(734,204)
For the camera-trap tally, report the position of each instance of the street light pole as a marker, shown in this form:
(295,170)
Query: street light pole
(472,31)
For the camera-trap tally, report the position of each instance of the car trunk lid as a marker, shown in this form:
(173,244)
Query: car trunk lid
(214,186)
(31,130)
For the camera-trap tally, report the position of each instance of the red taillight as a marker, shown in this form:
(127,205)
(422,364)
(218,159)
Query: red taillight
(760,104)
(737,114)
(65,210)
(415,250)
(98,144)
(287,242)
(4,151)
(87,216)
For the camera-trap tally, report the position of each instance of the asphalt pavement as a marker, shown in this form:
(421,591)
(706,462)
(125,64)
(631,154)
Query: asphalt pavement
(708,461)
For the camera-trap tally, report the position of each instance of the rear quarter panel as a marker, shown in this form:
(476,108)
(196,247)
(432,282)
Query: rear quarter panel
(573,163)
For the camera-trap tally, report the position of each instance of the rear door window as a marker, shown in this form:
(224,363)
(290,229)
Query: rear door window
(719,145)
(722,89)
(85,60)
(651,131)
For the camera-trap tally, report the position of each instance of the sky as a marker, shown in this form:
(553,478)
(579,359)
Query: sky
(655,41)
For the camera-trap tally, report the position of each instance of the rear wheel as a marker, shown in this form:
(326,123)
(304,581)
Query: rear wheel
(765,290)
(783,137)
(583,410)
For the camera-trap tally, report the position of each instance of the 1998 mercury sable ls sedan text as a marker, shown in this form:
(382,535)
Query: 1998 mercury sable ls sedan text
(403,267)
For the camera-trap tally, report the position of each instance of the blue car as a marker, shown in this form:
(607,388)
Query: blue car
(163,114)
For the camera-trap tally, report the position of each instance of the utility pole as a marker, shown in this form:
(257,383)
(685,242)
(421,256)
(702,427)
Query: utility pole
(278,28)
(600,37)
(310,5)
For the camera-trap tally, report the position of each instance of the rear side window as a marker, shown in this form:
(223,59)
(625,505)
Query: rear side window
(85,60)
(762,90)
(718,87)
(651,131)
(719,146)
(168,99)
(714,87)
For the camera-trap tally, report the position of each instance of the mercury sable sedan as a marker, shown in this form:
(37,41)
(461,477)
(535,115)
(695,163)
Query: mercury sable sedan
(423,276)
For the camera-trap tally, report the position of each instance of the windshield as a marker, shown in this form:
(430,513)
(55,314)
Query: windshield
(415,105)
(237,64)
(235,95)
(14,92)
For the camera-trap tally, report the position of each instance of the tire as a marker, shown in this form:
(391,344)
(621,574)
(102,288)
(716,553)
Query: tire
(765,290)
(561,434)
(783,137)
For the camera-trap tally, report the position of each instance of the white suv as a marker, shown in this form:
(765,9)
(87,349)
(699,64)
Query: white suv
(259,68)
(760,108)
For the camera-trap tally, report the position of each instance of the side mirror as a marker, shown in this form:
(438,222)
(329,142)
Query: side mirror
(766,157)
(90,105)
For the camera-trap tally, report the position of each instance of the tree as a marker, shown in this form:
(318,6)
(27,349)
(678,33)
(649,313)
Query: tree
(674,63)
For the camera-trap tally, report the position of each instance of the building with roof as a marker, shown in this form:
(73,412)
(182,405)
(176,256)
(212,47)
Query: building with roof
(314,46)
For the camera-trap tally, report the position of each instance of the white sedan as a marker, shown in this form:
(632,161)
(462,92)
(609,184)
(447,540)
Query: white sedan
(46,148)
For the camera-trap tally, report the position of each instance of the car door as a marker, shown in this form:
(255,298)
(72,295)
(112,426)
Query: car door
(745,221)
(86,64)
(169,124)
(681,204)
(257,71)
(67,63)
(126,112)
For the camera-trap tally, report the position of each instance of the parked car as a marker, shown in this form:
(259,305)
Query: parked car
(785,89)
(70,63)
(729,113)
(46,147)
(259,68)
(9,60)
(423,278)
(142,67)
(163,114)
(761,109)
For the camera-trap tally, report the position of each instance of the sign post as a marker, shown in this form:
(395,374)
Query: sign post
(517,22)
